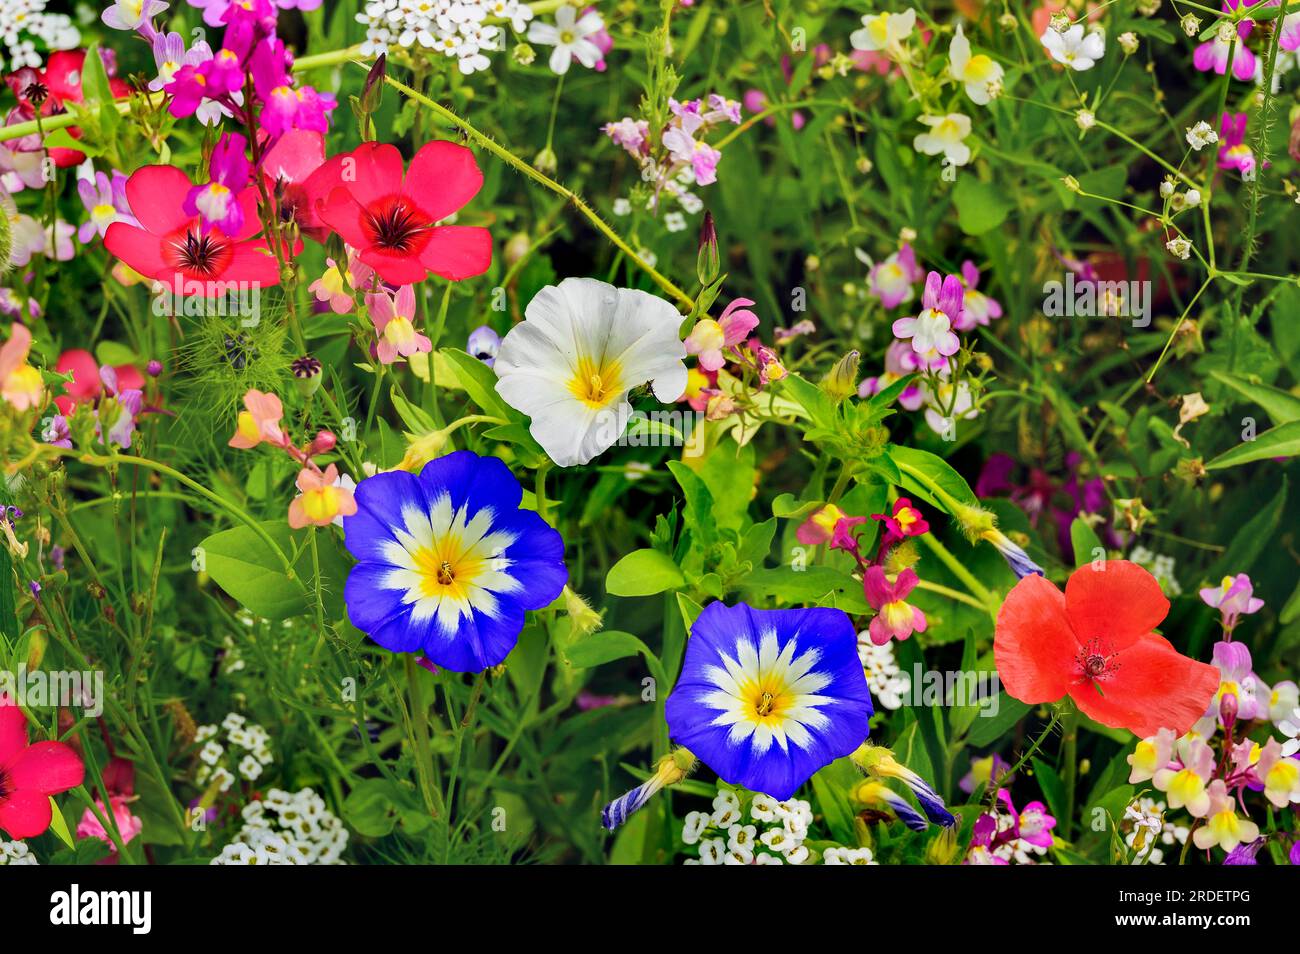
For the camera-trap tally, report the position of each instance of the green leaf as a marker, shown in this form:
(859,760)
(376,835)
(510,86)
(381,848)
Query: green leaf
(1085,542)
(937,471)
(241,563)
(1282,407)
(479,381)
(1280,441)
(988,730)
(981,206)
(59,824)
(644,573)
(1250,540)
(1052,786)
(600,648)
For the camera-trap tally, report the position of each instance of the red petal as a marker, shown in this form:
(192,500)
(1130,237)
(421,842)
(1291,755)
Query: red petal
(48,768)
(344,215)
(85,373)
(1119,602)
(139,249)
(252,221)
(25,814)
(13,733)
(252,262)
(156,195)
(1154,688)
(396,268)
(375,172)
(443,177)
(1033,646)
(458,251)
(298,154)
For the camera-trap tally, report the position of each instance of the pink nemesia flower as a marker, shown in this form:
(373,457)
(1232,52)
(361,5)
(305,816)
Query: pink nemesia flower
(1213,54)
(20,384)
(682,145)
(1233,151)
(1234,597)
(710,339)
(128,825)
(895,618)
(322,500)
(393,319)
(891,280)
(105,202)
(903,522)
(977,307)
(931,331)
(217,201)
(829,524)
(261,422)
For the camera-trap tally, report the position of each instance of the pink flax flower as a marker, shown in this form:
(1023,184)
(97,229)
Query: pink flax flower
(391,218)
(30,774)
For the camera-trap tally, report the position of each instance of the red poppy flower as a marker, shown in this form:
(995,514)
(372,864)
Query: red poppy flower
(173,247)
(390,218)
(30,774)
(1095,643)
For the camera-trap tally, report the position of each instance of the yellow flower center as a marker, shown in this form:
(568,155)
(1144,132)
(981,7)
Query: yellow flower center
(446,569)
(597,384)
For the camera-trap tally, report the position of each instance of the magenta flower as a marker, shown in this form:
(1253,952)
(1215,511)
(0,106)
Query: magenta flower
(1233,598)
(891,280)
(829,524)
(710,339)
(216,201)
(632,134)
(169,55)
(977,307)
(1233,151)
(931,331)
(1213,54)
(895,618)
(1035,824)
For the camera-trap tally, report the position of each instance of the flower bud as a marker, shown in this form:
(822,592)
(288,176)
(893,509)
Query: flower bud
(306,374)
(842,380)
(708,261)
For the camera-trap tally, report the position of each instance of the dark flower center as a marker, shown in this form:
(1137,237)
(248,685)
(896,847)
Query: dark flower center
(1096,660)
(394,224)
(198,256)
(4,785)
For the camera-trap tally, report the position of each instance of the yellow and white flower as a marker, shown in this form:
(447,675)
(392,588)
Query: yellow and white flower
(946,136)
(981,74)
(884,32)
(582,347)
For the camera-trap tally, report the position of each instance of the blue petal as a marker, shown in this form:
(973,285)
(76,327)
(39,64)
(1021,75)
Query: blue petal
(369,604)
(380,501)
(480,641)
(775,772)
(468,478)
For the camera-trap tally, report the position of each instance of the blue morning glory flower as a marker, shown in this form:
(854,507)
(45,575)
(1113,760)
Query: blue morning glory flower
(448,563)
(768,697)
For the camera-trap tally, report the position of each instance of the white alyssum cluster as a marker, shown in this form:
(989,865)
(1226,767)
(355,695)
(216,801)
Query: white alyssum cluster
(287,829)
(774,835)
(848,856)
(23,23)
(455,28)
(16,853)
(887,683)
(246,751)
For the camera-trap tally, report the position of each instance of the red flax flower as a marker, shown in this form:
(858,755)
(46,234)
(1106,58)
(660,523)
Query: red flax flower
(175,247)
(30,774)
(390,219)
(1095,643)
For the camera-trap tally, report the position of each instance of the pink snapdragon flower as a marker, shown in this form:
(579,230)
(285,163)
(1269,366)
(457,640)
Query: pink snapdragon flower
(829,524)
(891,280)
(977,307)
(393,317)
(105,200)
(895,618)
(1234,597)
(712,339)
(322,500)
(931,331)
(1233,151)
(216,201)
(260,422)
(684,148)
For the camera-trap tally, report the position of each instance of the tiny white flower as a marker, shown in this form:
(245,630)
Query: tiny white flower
(763,808)
(1074,48)
(696,824)
(1201,135)
(1180,247)
(571,37)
